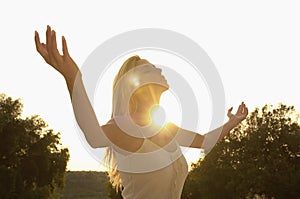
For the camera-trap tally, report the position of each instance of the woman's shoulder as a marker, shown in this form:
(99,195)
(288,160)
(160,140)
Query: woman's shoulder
(120,138)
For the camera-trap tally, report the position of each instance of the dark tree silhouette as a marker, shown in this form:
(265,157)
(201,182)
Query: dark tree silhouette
(32,159)
(260,157)
(112,192)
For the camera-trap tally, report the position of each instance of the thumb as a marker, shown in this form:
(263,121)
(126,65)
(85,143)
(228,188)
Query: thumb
(229,114)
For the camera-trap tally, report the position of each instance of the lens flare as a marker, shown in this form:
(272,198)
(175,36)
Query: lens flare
(135,81)
(158,116)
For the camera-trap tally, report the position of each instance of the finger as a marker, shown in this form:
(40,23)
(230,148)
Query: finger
(54,47)
(49,42)
(246,111)
(48,37)
(240,109)
(65,47)
(36,39)
(40,47)
(44,49)
(229,114)
(244,107)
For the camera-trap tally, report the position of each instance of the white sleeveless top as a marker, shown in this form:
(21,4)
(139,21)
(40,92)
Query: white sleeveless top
(152,172)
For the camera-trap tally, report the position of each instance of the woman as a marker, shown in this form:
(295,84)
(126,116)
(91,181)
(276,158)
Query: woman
(144,158)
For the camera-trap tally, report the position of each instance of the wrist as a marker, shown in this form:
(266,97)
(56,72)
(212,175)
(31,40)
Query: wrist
(231,123)
(73,80)
(72,76)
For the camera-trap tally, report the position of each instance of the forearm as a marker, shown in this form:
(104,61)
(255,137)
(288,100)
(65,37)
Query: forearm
(208,140)
(84,112)
(71,79)
(225,129)
(192,139)
(216,135)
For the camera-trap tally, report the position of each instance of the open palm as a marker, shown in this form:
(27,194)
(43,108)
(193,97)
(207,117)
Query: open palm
(64,64)
(240,114)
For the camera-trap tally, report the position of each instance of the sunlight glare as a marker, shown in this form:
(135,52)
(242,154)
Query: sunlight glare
(158,115)
(172,107)
(135,81)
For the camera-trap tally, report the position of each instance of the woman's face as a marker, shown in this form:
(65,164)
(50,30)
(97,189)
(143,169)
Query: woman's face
(152,75)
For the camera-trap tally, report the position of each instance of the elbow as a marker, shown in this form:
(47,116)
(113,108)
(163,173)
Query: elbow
(96,143)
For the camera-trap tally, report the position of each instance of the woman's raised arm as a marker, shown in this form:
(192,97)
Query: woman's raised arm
(64,64)
(207,141)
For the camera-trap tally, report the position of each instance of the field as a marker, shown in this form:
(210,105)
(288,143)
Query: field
(84,184)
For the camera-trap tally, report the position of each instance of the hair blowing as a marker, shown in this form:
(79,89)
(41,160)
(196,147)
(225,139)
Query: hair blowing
(109,158)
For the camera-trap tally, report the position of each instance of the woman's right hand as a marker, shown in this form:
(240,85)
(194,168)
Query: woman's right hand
(64,64)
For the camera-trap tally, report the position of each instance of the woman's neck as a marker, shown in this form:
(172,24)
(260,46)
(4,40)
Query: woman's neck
(143,104)
(141,117)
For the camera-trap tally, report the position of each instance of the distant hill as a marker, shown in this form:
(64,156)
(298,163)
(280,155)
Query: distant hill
(84,185)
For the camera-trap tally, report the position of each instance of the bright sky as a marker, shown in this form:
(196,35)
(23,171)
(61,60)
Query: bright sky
(254,45)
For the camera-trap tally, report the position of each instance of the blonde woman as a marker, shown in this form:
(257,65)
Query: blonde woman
(142,157)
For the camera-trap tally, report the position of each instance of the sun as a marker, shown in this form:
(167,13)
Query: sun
(169,110)
(158,115)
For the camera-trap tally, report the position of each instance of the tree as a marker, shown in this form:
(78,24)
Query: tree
(84,184)
(112,192)
(32,159)
(260,157)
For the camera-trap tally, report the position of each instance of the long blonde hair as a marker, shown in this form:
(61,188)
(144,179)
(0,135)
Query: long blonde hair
(109,157)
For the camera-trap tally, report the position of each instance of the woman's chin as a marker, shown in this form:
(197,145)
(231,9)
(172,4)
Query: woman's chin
(165,88)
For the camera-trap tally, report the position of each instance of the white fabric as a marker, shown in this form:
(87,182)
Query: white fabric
(86,117)
(164,183)
(150,157)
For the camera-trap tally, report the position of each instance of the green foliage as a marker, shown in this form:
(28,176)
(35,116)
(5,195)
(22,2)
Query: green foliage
(260,157)
(111,192)
(84,184)
(32,159)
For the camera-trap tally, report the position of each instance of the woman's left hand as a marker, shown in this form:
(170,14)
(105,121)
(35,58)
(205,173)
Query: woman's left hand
(63,63)
(239,116)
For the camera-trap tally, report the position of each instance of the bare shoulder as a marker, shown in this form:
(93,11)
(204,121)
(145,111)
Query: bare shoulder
(121,139)
(166,135)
